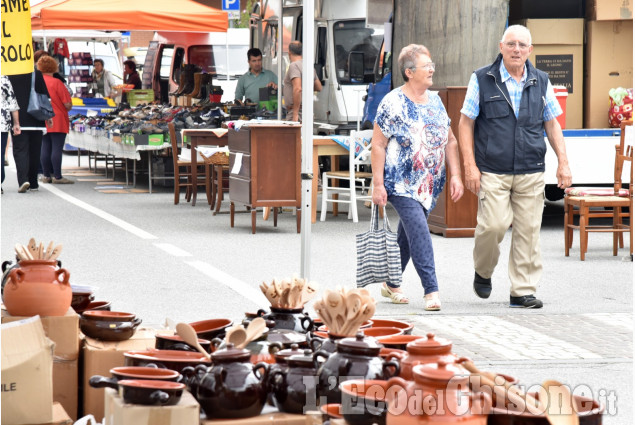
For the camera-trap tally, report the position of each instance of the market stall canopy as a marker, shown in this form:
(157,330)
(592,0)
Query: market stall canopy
(118,15)
(81,35)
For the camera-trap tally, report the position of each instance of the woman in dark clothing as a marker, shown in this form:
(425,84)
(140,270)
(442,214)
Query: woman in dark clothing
(131,76)
(27,144)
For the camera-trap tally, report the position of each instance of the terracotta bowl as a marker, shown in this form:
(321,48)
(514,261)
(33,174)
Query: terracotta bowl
(141,372)
(331,411)
(107,330)
(363,401)
(95,305)
(145,392)
(366,324)
(212,328)
(108,316)
(175,342)
(377,332)
(167,359)
(390,323)
(398,341)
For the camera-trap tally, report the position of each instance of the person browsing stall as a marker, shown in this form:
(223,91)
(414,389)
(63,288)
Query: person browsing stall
(508,106)
(250,83)
(292,87)
(411,145)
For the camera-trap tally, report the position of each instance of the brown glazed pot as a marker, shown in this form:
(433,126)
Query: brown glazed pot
(175,342)
(167,359)
(233,387)
(94,305)
(211,328)
(109,316)
(141,391)
(105,330)
(289,386)
(290,318)
(37,287)
(142,372)
(426,350)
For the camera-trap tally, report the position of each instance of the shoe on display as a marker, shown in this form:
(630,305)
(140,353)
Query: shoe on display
(24,187)
(63,180)
(482,286)
(526,301)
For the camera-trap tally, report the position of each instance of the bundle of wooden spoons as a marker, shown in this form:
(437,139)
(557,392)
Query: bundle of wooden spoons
(289,293)
(35,251)
(344,310)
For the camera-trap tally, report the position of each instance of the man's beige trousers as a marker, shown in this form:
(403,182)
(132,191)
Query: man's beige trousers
(505,200)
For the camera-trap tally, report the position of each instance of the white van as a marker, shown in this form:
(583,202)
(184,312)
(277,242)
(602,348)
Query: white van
(224,55)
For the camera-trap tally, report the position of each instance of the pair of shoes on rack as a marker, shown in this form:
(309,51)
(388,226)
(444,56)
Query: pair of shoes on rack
(63,180)
(395,297)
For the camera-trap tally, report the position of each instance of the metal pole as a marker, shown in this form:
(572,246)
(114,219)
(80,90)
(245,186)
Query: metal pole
(308,48)
(280,54)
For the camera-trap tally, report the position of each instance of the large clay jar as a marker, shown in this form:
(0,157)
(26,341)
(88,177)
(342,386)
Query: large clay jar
(439,395)
(354,357)
(294,386)
(290,318)
(232,387)
(38,287)
(426,350)
(329,344)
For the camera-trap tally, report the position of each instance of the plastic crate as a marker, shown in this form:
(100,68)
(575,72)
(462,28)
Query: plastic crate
(136,97)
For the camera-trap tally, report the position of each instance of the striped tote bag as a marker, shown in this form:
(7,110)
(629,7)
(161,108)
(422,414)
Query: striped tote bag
(378,258)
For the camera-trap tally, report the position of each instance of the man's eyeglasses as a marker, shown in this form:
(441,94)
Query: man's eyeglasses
(430,66)
(512,44)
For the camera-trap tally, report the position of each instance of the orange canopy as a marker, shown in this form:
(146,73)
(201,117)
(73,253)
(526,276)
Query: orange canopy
(126,15)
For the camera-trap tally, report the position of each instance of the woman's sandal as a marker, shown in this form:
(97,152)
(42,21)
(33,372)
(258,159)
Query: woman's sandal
(432,304)
(395,297)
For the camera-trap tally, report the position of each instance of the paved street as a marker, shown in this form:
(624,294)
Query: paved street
(169,262)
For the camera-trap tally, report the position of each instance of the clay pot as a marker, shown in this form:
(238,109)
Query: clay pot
(166,359)
(212,328)
(324,341)
(377,332)
(108,330)
(390,323)
(287,338)
(146,392)
(37,287)
(141,372)
(589,413)
(95,305)
(364,401)
(288,384)
(290,318)
(251,316)
(426,350)
(108,316)
(175,342)
(444,386)
(82,296)
(398,341)
(358,357)
(365,325)
(233,387)
(331,411)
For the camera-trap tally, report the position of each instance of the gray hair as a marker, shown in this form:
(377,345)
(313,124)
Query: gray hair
(517,29)
(295,47)
(408,57)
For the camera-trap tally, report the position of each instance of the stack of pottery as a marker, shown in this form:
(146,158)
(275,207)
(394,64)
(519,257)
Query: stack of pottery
(108,325)
(289,385)
(37,287)
(287,298)
(426,350)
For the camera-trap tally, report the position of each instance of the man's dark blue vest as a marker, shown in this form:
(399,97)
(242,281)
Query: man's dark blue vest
(504,144)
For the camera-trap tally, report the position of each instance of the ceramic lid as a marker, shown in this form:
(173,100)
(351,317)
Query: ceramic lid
(231,353)
(305,359)
(441,372)
(359,344)
(429,345)
(283,355)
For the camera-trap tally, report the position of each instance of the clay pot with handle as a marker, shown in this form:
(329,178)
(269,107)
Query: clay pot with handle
(38,287)
(426,350)
(441,392)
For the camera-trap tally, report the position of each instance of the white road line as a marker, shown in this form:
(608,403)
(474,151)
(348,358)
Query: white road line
(99,213)
(172,249)
(236,285)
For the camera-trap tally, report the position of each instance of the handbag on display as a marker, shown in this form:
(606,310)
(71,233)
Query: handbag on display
(378,254)
(40,106)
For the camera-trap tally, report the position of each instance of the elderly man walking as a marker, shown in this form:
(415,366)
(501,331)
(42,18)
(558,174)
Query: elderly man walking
(508,105)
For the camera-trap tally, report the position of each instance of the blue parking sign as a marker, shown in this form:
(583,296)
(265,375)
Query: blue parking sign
(231,5)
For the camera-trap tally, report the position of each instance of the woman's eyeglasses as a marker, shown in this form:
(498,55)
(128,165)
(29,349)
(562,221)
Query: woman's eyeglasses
(430,66)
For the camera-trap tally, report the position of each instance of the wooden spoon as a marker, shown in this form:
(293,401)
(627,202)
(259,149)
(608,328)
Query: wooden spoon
(32,248)
(353,306)
(336,304)
(23,252)
(236,335)
(187,332)
(560,409)
(56,252)
(40,251)
(254,330)
(295,296)
(49,250)
(308,292)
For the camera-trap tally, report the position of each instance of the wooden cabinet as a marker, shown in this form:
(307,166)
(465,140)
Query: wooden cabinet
(454,220)
(269,171)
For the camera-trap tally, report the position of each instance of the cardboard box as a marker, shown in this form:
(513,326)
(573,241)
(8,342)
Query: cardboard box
(609,10)
(186,412)
(60,417)
(100,357)
(27,373)
(558,48)
(609,64)
(65,385)
(274,418)
(62,330)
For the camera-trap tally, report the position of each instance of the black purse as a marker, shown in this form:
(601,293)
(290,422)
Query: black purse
(40,106)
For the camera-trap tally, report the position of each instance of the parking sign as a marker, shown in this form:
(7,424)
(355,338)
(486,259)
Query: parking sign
(231,5)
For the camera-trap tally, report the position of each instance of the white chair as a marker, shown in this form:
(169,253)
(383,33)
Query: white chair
(357,190)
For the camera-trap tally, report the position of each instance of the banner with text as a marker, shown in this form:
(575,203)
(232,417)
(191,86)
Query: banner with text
(16,49)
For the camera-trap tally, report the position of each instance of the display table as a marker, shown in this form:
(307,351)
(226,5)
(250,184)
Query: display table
(265,164)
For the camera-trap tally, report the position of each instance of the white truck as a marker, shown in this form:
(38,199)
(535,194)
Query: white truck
(341,32)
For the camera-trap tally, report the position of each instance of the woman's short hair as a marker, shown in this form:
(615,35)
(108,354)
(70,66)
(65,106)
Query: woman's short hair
(131,64)
(47,65)
(38,54)
(408,57)
(101,61)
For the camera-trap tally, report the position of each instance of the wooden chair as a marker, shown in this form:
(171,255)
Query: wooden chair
(356,179)
(592,203)
(180,163)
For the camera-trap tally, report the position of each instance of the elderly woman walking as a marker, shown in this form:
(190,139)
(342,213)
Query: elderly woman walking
(412,141)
